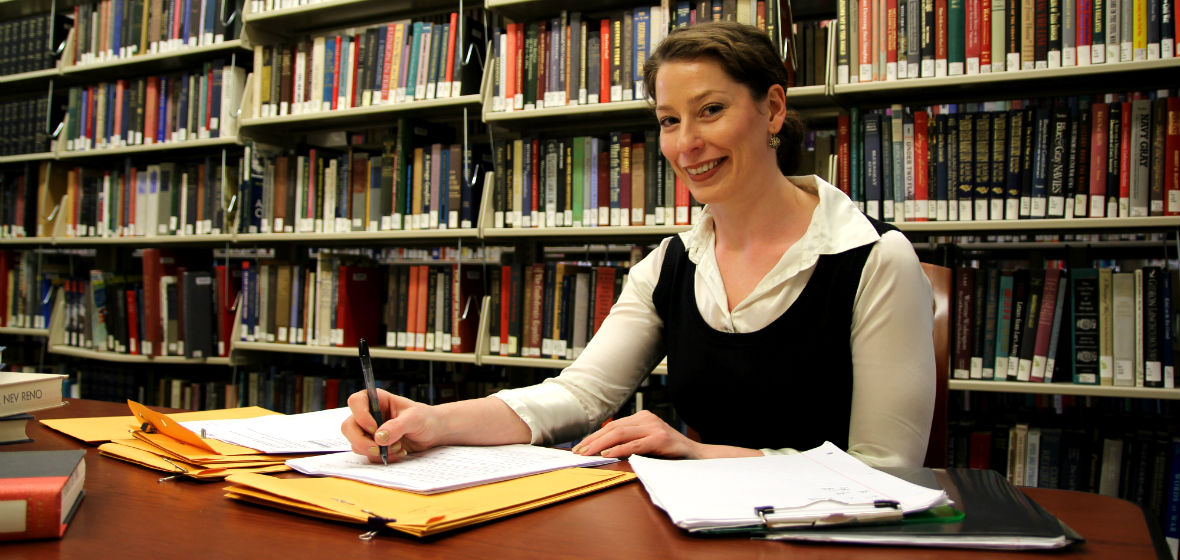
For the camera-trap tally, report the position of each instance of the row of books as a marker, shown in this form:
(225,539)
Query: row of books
(571,59)
(24,124)
(173,198)
(27,44)
(18,202)
(883,40)
(173,107)
(1090,326)
(167,310)
(1110,446)
(106,30)
(587,181)
(1113,155)
(393,62)
(26,288)
(810,56)
(398,186)
(550,309)
(281,389)
(336,301)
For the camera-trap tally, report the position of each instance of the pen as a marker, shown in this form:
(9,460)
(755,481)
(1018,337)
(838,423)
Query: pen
(371,389)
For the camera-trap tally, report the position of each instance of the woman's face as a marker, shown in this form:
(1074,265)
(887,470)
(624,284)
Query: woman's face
(711,129)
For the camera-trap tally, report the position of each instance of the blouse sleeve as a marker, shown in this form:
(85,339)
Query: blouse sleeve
(623,351)
(892,358)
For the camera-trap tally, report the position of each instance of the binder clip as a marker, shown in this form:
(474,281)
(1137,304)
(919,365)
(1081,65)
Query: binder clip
(877,512)
(375,523)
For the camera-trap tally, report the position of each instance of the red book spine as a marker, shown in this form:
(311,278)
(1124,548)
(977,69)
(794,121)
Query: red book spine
(604,188)
(921,177)
(625,179)
(412,307)
(979,455)
(940,34)
(505,306)
(336,72)
(509,67)
(1045,323)
(40,512)
(1100,120)
(519,81)
(423,308)
(604,63)
(132,322)
(355,62)
(449,74)
(843,153)
(891,33)
(985,33)
(387,66)
(865,24)
(1125,159)
(972,42)
(604,294)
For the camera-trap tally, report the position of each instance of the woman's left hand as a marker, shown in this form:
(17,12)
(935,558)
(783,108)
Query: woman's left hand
(642,433)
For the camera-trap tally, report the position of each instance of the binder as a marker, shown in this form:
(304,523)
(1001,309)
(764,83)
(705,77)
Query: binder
(995,515)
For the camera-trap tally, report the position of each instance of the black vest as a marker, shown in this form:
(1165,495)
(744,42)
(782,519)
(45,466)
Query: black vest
(786,385)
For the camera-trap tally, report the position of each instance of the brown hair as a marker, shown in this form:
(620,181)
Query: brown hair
(746,54)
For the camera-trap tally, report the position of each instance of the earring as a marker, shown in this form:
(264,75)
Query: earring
(774,142)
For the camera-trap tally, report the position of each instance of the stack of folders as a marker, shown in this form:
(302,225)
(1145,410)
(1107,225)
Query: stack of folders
(433,491)
(824,494)
(179,445)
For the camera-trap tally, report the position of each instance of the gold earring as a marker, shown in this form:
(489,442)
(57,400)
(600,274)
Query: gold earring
(774,142)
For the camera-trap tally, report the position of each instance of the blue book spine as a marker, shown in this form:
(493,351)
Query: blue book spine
(162,113)
(329,70)
(1003,326)
(117,19)
(444,190)
(186,26)
(412,73)
(1172,485)
(526,201)
(683,11)
(109,132)
(182,116)
(84,118)
(210,15)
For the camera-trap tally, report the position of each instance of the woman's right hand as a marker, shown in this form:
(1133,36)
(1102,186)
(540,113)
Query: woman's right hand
(409,426)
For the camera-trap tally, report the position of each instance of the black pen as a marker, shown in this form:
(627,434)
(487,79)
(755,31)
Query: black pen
(371,389)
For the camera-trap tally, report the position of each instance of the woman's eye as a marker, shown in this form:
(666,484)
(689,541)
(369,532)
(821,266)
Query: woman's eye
(667,121)
(711,109)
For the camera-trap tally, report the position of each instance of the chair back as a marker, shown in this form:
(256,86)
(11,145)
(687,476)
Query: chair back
(940,283)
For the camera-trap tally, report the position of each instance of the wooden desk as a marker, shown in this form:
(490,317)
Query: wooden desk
(128,514)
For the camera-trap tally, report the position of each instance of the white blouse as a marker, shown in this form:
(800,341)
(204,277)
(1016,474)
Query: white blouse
(892,354)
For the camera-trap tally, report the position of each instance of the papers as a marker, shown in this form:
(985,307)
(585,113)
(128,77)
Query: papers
(109,428)
(446,468)
(821,486)
(310,432)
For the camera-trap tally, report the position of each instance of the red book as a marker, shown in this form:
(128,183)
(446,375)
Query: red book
(387,66)
(229,283)
(449,73)
(132,322)
(843,153)
(980,450)
(355,62)
(117,122)
(536,295)
(1099,136)
(505,306)
(972,43)
(332,393)
(542,62)
(412,307)
(865,41)
(1172,158)
(1045,325)
(466,301)
(891,34)
(604,294)
(604,62)
(151,109)
(336,72)
(357,316)
(921,176)
(43,487)
(683,210)
(964,294)
(510,67)
(624,179)
(1125,160)
(423,307)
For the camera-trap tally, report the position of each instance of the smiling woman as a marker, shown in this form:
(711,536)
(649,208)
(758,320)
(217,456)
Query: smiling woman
(787,317)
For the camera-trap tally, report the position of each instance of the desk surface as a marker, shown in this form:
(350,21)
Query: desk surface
(128,514)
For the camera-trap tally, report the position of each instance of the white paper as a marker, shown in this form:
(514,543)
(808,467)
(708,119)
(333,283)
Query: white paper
(446,468)
(310,432)
(721,493)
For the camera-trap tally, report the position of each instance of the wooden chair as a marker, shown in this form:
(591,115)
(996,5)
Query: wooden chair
(941,281)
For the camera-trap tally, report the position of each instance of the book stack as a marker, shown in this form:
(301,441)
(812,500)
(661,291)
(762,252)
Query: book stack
(41,490)
(550,309)
(879,40)
(27,288)
(587,181)
(27,44)
(189,105)
(1089,326)
(21,393)
(107,30)
(395,62)
(1113,155)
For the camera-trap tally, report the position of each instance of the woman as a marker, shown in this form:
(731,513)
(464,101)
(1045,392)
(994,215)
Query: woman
(788,317)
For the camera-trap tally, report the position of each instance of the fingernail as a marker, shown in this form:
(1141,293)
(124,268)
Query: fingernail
(395,448)
(577,448)
(374,452)
(401,452)
(380,437)
(605,453)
